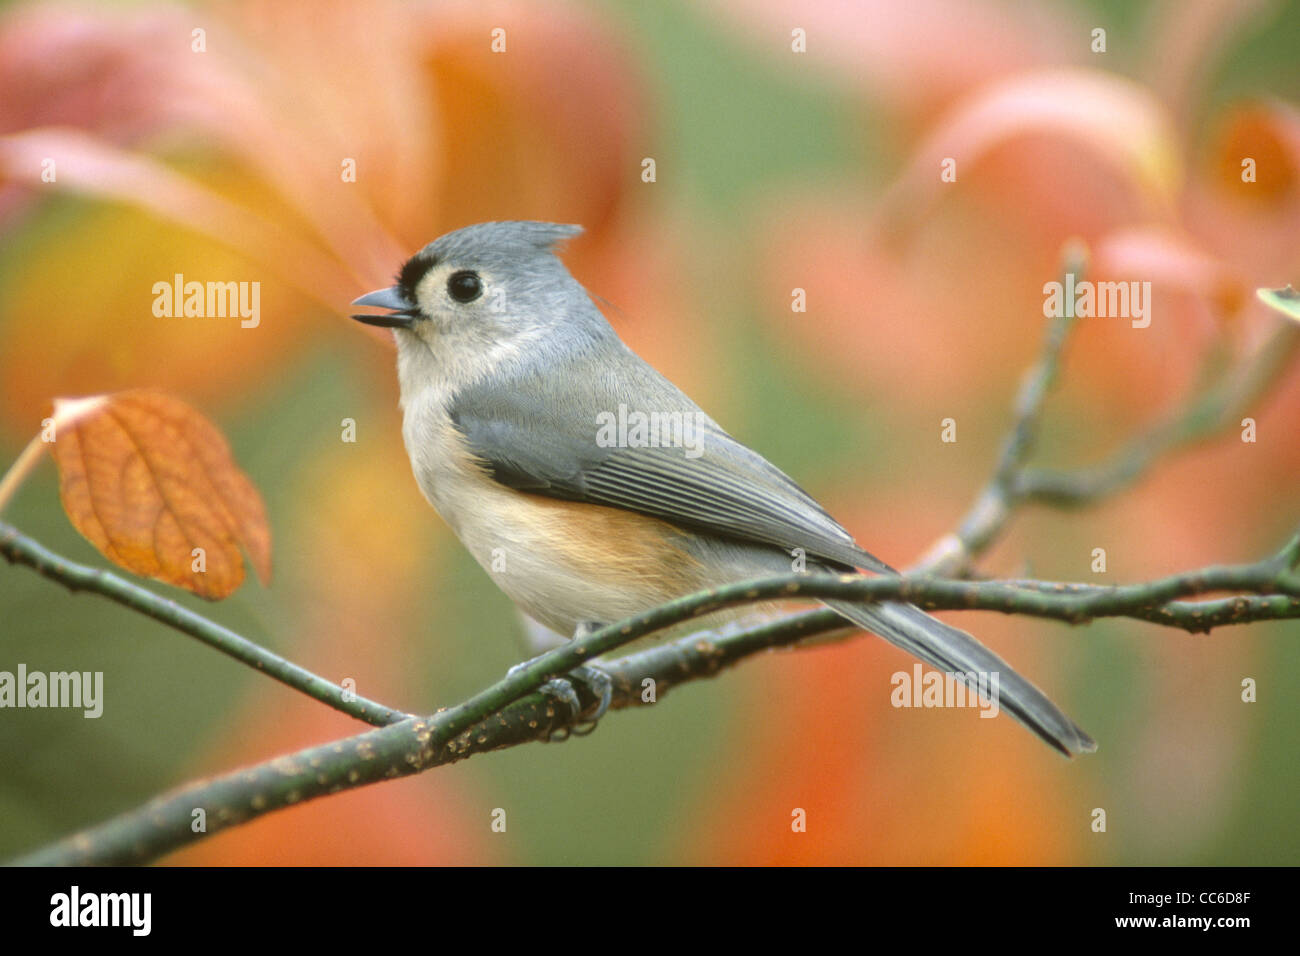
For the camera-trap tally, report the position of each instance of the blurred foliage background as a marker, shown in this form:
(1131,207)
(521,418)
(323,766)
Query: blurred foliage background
(775,170)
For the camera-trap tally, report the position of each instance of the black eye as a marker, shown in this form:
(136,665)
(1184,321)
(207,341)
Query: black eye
(465,286)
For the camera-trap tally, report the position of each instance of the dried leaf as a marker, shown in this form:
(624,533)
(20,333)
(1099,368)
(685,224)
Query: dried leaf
(148,480)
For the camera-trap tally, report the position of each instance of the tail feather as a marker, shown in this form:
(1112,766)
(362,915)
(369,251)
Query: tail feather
(953,651)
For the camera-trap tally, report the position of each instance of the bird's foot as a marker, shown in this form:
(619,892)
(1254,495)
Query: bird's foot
(596,682)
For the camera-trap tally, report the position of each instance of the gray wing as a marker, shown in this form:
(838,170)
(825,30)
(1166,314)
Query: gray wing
(720,487)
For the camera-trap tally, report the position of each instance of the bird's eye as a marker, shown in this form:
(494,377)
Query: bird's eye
(465,286)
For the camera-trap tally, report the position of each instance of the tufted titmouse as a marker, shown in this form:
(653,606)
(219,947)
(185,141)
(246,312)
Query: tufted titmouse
(590,487)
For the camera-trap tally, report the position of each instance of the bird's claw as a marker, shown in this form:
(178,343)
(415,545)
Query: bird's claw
(601,686)
(595,681)
(561,689)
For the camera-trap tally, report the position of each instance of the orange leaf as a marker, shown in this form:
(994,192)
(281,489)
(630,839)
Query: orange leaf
(148,480)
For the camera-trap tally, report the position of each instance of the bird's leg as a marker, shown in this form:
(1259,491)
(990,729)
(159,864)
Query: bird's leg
(594,680)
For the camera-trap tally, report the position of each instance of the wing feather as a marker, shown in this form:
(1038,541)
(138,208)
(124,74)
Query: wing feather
(721,487)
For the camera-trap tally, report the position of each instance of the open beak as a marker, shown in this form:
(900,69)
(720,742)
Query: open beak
(401,315)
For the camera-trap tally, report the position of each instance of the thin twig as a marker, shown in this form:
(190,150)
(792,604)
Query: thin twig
(21,549)
(994,505)
(1199,419)
(1016,484)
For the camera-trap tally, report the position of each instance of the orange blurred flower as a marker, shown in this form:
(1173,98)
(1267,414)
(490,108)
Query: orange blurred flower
(309,146)
(936,281)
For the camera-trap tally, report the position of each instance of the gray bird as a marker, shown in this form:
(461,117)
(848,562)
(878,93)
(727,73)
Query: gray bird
(588,486)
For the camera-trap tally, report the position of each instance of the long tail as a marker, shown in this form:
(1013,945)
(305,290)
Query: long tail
(956,652)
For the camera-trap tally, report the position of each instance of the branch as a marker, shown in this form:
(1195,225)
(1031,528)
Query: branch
(1014,483)
(1199,419)
(511,711)
(21,549)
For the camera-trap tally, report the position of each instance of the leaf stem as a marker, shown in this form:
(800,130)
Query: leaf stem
(23,466)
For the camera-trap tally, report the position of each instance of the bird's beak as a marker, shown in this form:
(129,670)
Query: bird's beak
(402,315)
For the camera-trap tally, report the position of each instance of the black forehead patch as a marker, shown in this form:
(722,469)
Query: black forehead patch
(413,270)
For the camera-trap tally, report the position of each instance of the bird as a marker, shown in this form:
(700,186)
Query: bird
(591,488)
